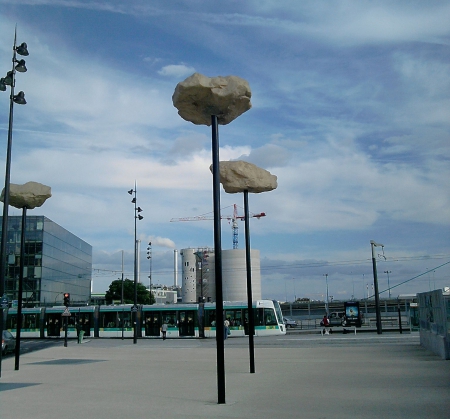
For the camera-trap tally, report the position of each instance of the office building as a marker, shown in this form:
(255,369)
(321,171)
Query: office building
(56,262)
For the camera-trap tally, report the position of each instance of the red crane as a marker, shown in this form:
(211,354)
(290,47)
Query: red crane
(233,218)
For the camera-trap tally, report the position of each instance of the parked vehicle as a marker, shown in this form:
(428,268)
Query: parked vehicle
(8,342)
(289,322)
(337,318)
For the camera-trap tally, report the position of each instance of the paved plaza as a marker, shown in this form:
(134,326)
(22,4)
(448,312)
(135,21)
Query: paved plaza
(297,376)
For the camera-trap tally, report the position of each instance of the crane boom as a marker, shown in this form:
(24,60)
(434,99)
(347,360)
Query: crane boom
(233,218)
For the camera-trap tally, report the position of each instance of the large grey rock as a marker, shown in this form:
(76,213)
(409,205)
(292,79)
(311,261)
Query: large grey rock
(198,97)
(29,195)
(240,176)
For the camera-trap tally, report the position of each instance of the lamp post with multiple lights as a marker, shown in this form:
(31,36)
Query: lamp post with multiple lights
(149,257)
(326,305)
(137,216)
(9,80)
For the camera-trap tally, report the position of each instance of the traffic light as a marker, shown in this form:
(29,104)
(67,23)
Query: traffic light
(66,299)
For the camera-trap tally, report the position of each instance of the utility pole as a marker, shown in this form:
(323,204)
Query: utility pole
(375,283)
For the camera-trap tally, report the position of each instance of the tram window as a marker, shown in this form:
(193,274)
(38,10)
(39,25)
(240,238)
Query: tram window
(269,317)
(30,321)
(125,317)
(259,316)
(234,317)
(169,317)
(109,320)
(210,318)
(238,318)
(11,322)
(229,315)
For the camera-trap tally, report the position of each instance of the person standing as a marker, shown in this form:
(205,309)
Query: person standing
(226,326)
(164,330)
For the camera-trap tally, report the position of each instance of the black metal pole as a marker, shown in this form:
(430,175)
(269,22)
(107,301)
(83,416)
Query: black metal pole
(66,321)
(375,286)
(251,322)
(399,319)
(6,193)
(218,263)
(135,266)
(121,292)
(19,307)
(123,322)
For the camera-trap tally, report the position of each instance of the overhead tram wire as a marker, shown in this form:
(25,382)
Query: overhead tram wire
(292,266)
(409,280)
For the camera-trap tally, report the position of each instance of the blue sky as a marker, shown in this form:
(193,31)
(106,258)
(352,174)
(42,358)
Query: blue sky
(351,111)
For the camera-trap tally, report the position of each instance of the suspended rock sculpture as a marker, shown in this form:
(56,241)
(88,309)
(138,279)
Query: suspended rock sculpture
(240,176)
(198,97)
(30,195)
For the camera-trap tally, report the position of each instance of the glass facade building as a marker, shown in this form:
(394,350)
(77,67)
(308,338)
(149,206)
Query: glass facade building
(56,261)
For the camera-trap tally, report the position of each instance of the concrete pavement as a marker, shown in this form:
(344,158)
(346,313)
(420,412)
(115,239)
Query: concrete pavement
(298,377)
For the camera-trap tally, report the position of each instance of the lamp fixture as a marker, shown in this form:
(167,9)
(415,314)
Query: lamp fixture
(21,67)
(130,191)
(20,98)
(8,80)
(22,49)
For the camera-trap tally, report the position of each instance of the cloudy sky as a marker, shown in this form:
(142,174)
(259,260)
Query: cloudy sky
(351,111)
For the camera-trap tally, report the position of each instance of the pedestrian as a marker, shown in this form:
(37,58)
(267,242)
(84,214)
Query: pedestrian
(164,330)
(226,326)
(80,331)
(325,323)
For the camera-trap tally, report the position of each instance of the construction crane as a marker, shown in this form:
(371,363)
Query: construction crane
(233,218)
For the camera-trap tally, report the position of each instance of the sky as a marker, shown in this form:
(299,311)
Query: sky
(350,110)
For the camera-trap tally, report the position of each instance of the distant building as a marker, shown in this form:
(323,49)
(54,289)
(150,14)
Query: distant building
(56,261)
(165,294)
(198,280)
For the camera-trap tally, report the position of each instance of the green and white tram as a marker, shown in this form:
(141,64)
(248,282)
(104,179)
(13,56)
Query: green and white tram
(32,322)
(115,321)
(267,317)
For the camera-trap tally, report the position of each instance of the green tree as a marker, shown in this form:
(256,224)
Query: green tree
(115,293)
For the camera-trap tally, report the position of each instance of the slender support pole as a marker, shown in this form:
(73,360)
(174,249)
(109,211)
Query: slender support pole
(121,292)
(135,266)
(251,322)
(19,307)
(121,299)
(66,322)
(399,319)
(218,263)
(375,285)
(6,193)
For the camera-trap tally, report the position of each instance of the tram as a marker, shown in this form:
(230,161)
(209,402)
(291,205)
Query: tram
(32,322)
(118,321)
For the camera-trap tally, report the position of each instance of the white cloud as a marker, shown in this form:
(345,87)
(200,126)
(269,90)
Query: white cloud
(176,70)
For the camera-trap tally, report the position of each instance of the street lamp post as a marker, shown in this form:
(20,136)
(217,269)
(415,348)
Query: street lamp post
(149,257)
(375,284)
(326,280)
(137,216)
(389,287)
(9,80)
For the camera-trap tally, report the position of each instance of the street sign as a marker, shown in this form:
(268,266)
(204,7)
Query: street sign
(66,313)
(4,301)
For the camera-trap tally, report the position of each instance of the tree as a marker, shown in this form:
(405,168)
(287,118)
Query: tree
(115,293)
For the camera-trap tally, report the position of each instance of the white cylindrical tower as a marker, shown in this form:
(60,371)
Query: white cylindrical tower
(234,275)
(189,276)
